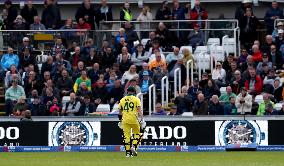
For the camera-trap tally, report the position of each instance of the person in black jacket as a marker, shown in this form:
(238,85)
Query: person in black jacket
(50,17)
(215,107)
(104,13)
(116,93)
(64,84)
(12,14)
(28,12)
(182,101)
(248,24)
(164,13)
(87,11)
(86,107)
(108,59)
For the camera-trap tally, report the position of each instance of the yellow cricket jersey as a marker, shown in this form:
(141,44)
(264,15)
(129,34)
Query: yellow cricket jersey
(128,105)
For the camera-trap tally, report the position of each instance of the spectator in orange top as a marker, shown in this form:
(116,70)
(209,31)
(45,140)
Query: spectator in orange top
(158,62)
(256,54)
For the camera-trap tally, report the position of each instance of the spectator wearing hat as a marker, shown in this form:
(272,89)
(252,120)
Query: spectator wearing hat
(274,56)
(145,82)
(271,15)
(248,24)
(275,32)
(196,37)
(173,111)
(244,102)
(279,39)
(253,83)
(159,110)
(263,105)
(200,106)
(139,56)
(265,60)
(12,13)
(145,67)
(215,107)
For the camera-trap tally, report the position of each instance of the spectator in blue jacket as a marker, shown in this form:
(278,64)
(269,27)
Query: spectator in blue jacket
(196,37)
(273,13)
(193,91)
(9,59)
(215,107)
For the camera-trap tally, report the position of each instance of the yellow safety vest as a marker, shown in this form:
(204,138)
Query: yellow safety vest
(127,15)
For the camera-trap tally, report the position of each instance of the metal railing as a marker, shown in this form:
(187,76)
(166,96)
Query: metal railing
(213,57)
(152,94)
(164,91)
(177,81)
(40,38)
(140,96)
(189,62)
(199,63)
(225,43)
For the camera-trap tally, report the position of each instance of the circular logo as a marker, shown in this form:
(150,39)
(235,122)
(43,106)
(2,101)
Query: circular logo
(239,132)
(73,133)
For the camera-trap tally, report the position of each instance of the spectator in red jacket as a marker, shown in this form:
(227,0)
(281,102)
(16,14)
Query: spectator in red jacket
(256,54)
(198,13)
(83,25)
(254,83)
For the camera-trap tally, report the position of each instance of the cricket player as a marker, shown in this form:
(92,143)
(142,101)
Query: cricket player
(131,117)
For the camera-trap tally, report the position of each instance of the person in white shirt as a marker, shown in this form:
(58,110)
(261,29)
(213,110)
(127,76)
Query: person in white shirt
(219,75)
(130,74)
(144,17)
(139,56)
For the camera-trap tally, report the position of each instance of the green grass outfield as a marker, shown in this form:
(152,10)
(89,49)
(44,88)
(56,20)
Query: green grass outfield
(144,159)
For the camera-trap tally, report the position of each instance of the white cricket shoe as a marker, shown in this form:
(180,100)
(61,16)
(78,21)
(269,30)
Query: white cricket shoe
(134,152)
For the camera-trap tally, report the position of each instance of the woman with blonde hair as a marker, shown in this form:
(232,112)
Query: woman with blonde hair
(130,74)
(187,56)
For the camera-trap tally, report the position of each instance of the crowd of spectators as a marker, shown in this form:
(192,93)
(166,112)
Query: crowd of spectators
(99,74)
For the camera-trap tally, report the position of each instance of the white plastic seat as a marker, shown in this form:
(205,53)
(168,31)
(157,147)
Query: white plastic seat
(278,106)
(213,41)
(41,58)
(223,90)
(103,108)
(202,61)
(218,53)
(65,99)
(258,99)
(144,42)
(187,47)
(229,43)
(115,107)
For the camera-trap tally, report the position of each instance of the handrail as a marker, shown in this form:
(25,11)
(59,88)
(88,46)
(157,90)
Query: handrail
(152,89)
(177,80)
(140,96)
(235,45)
(176,21)
(213,55)
(164,89)
(199,63)
(187,72)
(49,30)
(225,42)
